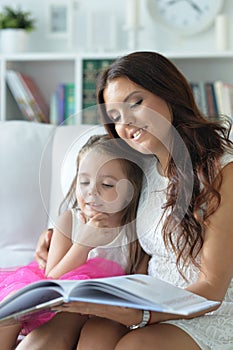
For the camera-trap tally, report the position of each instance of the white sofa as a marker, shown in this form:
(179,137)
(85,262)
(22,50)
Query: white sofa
(37,163)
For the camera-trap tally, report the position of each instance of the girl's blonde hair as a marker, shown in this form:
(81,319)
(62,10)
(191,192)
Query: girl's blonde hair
(133,172)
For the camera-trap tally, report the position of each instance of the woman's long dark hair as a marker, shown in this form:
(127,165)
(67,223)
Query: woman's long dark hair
(206,141)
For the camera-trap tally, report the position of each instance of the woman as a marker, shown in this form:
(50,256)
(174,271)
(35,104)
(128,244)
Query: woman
(185,224)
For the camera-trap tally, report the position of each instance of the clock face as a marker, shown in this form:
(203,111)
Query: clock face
(185,16)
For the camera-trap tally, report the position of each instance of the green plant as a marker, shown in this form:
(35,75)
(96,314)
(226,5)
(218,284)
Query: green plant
(10,18)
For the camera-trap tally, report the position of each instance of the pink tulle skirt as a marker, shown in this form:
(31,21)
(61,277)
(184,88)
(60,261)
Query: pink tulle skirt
(13,280)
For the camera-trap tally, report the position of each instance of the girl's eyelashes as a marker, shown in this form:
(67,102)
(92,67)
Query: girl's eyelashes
(84,183)
(104,184)
(107,185)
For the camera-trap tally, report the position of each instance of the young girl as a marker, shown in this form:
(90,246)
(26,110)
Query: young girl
(89,241)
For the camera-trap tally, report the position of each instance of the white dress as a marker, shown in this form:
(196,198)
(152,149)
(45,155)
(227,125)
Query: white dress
(214,330)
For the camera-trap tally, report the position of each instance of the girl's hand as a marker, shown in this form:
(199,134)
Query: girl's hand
(123,315)
(42,248)
(96,231)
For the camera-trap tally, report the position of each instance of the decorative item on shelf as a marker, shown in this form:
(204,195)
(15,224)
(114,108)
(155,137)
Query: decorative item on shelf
(98,39)
(132,23)
(59,20)
(185,17)
(222,32)
(15,24)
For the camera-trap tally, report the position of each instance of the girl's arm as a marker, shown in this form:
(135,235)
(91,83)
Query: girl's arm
(64,256)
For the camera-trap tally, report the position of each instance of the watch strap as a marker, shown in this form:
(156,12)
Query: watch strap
(146,315)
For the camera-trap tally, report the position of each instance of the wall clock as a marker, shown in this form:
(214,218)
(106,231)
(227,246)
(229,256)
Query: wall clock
(187,17)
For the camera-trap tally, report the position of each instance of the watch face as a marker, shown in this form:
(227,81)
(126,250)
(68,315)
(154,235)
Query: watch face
(185,16)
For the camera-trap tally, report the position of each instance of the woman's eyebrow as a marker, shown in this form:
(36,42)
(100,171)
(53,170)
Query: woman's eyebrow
(131,94)
(125,100)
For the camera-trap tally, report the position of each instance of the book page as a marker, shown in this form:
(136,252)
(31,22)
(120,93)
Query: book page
(141,291)
(25,301)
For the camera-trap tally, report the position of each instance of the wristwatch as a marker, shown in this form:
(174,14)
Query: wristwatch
(146,315)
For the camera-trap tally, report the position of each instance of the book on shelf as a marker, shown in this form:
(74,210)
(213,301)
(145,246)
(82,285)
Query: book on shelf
(69,103)
(135,291)
(214,98)
(91,69)
(199,93)
(224,96)
(19,96)
(211,100)
(228,98)
(28,96)
(62,104)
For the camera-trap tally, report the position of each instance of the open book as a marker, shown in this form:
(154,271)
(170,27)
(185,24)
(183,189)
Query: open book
(136,291)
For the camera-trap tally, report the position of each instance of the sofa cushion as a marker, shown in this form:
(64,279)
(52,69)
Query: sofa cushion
(23,216)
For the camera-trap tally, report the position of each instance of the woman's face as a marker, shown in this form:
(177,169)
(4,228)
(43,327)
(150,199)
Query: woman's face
(141,118)
(102,186)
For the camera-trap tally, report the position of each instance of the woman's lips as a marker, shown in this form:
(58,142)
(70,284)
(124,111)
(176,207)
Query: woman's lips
(136,134)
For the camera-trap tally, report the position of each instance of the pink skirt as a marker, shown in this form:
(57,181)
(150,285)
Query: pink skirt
(13,280)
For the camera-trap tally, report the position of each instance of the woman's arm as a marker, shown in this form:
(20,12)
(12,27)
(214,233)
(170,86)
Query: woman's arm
(42,248)
(217,252)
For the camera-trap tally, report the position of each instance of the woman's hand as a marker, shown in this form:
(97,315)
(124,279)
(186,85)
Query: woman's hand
(123,315)
(42,248)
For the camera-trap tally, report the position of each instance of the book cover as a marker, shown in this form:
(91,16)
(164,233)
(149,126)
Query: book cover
(135,291)
(212,108)
(214,99)
(60,102)
(228,99)
(91,69)
(34,97)
(69,104)
(53,109)
(19,95)
(200,96)
(203,98)
(197,95)
(218,88)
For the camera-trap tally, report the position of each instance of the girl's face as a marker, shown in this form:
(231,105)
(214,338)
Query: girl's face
(102,186)
(141,118)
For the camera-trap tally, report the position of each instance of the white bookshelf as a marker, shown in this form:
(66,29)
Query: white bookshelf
(50,69)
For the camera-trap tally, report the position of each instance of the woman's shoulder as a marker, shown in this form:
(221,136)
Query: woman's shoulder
(226,158)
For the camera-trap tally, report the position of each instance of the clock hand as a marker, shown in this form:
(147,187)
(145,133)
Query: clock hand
(172,2)
(194,6)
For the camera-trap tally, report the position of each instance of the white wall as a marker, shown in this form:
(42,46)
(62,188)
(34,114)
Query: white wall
(110,35)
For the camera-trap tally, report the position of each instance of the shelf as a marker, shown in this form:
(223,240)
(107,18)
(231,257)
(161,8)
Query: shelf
(49,69)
